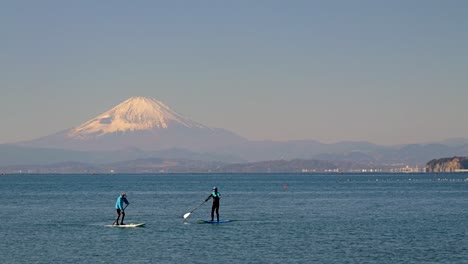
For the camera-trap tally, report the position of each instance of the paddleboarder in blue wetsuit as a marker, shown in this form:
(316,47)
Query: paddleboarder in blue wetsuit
(120,209)
(216,196)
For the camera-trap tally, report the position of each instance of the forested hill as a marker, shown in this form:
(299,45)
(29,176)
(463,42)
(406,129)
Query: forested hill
(453,164)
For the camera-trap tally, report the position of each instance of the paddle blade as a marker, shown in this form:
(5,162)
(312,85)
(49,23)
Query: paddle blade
(186,215)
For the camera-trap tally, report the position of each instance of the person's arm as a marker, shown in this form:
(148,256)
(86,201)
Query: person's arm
(126,201)
(206,200)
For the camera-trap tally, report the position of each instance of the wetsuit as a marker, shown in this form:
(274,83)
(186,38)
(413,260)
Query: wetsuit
(215,207)
(120,209)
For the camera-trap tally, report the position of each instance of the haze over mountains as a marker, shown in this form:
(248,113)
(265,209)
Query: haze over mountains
(145,128)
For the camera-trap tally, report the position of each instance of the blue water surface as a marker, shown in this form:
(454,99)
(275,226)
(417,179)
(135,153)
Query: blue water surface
(280,218)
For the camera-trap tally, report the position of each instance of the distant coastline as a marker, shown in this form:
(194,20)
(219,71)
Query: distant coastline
(160,166)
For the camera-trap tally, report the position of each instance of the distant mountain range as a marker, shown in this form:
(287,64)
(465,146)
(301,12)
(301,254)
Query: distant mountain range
(143,128)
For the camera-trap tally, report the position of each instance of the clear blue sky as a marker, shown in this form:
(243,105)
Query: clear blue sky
(387,72)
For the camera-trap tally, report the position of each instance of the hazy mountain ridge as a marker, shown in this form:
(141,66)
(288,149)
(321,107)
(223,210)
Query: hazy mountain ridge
(19,155)
(142,128)
(187,161)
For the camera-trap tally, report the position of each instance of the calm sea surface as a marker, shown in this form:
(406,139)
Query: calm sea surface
(281,218)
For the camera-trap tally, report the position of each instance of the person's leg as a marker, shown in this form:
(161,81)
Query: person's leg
(217,212)
(118,216)
(213,207)
(123,216)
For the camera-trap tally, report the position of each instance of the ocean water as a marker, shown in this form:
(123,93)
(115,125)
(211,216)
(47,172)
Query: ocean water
(281,218)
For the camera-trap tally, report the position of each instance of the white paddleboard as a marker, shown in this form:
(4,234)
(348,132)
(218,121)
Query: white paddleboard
(128,225)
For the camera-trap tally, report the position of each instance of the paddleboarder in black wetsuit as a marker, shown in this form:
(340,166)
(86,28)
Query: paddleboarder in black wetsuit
(216,196)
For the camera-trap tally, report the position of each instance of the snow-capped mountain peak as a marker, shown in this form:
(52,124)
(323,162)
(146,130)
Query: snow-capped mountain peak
(134,114)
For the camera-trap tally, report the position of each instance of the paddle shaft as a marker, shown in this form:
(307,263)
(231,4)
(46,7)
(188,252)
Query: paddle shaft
(198,206)
(195,209)
(119,215)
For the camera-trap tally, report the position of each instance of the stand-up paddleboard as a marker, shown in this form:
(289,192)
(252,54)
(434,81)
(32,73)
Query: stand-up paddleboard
(213,222)
(128,225)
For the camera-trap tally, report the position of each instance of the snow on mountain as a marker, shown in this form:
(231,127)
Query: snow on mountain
(136,113)
(141,123)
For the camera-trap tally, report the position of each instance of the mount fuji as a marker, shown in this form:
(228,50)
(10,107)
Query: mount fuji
(141,128)
(142,123)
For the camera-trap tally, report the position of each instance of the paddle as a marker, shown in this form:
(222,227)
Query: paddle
(188,214)
(119,215)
